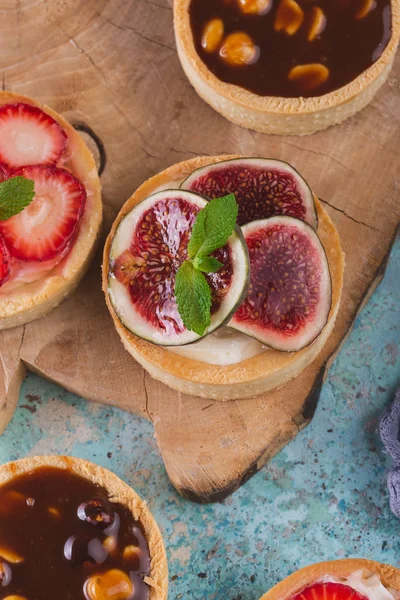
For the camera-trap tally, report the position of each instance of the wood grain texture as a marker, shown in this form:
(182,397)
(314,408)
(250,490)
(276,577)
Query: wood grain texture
(113,65)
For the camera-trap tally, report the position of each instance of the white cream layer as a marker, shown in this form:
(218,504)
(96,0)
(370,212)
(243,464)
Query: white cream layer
(368,584)
(223,347)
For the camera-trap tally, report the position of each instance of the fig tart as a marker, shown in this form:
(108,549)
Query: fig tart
(347,579)
(287,66)
(274,296)
(46,248)
(71,529)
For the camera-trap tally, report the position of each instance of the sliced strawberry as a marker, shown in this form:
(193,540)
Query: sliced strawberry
(4,172)
(4,261)
(29,136)
(328,591)
(43,229)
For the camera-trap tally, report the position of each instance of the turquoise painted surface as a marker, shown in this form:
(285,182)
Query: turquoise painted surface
(322,497)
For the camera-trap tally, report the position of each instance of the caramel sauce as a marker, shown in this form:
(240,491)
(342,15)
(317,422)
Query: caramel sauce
(61,537)
(338,39)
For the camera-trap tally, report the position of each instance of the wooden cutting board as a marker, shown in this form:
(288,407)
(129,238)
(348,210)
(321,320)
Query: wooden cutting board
(112,66)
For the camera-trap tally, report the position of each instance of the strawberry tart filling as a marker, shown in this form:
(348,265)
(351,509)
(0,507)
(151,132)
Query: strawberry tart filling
(360,585)
(37,241)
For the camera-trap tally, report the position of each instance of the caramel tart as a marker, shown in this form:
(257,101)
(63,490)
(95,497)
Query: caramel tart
(71,529)
(353,578)
(287,66)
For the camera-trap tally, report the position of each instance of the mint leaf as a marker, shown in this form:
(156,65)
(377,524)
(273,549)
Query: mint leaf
(211,230)
(213,226)
(207,264)
(193,298)
(198,234)
(15,195)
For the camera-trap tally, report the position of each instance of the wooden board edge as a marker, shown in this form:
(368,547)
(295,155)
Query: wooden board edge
(309,407)
(311,402)
(9,402)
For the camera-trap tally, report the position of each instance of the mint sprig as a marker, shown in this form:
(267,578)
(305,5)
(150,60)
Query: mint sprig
(15,195)
(213,226)
(193,297)
(211,230)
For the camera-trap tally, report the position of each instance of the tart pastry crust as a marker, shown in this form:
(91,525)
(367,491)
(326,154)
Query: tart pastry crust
(284,116)
(119,492)
(253,376)
(36,299)
(390,576)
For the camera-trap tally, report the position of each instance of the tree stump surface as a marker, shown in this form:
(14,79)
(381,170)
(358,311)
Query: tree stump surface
(111,66)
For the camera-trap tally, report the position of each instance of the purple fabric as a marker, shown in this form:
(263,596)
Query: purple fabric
(390,433)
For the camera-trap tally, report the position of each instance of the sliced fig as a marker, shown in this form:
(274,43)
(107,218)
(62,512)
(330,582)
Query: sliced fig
(263,188)
(289,296)
(149,245)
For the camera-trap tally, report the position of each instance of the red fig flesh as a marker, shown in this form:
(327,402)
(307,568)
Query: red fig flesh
(263,188)
(148,247)
(289,296)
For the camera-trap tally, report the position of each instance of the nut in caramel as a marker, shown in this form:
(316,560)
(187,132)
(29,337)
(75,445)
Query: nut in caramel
(309,77)
(317,23)
(212,35)
(110,585)
(10,555)
(365,6)
(254,7)
(289,17)
(110,543)
(238,50)
(131,555)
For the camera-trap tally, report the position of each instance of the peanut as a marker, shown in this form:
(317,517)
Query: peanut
(131,556)
(130,551)
(10,556)
(111,585)
(110,543)
(309,77)
(317,24)
(255,7)
(365,6)
(289,17)
(239,50)
(212,35)
(12,501)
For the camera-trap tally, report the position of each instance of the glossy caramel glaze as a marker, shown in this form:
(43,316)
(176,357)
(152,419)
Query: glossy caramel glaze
(61,537)
(337,39)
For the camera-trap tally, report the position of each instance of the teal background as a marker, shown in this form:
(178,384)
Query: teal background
(322,497)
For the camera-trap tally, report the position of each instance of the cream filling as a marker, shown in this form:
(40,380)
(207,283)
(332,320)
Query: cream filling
(368,584)
(223,347)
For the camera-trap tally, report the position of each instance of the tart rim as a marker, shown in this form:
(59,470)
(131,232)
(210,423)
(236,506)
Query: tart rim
(294,583)
(280,105)
(50,289)
(119,492)
(180,372)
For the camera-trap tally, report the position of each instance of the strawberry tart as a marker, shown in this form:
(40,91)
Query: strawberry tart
(347,579)
(46,248)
